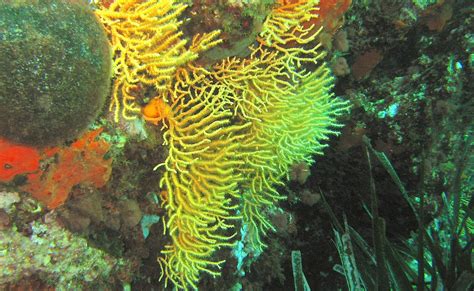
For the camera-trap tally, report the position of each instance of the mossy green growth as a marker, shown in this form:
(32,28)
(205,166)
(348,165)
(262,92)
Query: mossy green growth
(423,4)
(55,70)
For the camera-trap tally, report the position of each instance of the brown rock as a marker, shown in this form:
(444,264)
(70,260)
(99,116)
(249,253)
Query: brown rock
(130,213)
(340,67)
(4,220)
(310,198)
(113,221)
(300,172)
(365,63)
(74,221)
(341,43)
(89,205)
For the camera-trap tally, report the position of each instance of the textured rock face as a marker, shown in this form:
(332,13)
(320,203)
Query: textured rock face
(55,70)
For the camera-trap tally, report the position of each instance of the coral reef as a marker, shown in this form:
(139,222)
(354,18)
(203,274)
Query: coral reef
(232,131)
(56,69)
(202,185)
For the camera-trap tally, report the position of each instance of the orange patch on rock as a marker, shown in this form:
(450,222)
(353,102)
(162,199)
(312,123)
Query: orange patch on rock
(107,3)
(81,163)
(331,14)
(437,16)
(365,63)
(17,159)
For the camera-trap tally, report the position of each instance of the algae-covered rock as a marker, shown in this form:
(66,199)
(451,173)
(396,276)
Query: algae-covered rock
(55,69)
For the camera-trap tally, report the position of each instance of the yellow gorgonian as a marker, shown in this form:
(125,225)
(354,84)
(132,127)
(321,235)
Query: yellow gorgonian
(247,121)
(285,23)
(232,131)
(201,181)
(148,48)
(291,114)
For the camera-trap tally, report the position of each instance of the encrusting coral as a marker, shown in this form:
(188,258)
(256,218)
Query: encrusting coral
(233,131)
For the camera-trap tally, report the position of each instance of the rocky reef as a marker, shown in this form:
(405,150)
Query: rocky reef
(244,145)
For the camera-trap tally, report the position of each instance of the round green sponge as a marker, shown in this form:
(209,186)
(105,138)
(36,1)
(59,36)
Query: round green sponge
(55,70)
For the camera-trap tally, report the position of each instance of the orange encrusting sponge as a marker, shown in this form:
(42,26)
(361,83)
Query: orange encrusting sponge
(81,163)
(62,168)
(16,159)
(330,13)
